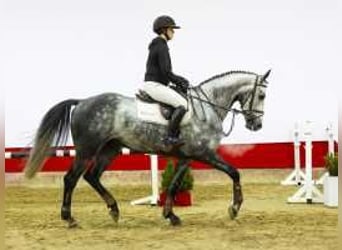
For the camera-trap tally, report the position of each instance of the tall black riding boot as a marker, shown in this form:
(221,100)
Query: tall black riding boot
(173,129)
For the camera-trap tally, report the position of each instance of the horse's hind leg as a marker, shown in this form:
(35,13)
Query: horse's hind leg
(70,181)
(92,176)
(219,164)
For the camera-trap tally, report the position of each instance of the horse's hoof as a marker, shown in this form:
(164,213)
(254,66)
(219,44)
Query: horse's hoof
(174,220)
(115,215)
(233,212)
(72,223)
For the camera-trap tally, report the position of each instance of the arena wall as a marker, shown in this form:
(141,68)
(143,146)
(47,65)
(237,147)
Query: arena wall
(242,156)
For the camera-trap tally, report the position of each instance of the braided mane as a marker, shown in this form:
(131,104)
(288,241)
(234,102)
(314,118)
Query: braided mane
(226,74)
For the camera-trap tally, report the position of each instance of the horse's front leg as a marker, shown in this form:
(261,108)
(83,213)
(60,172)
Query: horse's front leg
(175,184)
(216,161)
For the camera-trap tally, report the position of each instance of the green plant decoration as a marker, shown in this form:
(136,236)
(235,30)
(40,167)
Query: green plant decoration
(331,163)
(168,173)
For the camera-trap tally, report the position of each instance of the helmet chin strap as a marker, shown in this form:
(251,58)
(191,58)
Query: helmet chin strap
(166,35)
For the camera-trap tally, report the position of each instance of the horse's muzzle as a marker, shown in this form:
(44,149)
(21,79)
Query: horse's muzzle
(254,124)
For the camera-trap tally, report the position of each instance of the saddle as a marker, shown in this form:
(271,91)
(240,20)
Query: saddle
(165,109)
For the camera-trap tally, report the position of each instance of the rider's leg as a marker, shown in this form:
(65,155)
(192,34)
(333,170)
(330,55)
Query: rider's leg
(173,128)
(164,94)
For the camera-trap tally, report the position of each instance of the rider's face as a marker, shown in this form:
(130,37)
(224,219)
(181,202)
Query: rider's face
(170,31)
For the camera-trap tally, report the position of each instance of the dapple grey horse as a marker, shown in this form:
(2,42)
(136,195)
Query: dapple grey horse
(102,125)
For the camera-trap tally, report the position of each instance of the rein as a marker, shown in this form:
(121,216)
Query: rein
(235,111)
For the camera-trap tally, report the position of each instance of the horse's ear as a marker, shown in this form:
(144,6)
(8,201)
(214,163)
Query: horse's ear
(264,77)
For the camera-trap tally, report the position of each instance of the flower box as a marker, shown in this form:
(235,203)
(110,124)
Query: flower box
(330,191)
(330,184)
(182,199)
(183,196)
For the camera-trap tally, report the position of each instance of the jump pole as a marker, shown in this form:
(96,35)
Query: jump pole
(297,176)
(152,199)
(308,193)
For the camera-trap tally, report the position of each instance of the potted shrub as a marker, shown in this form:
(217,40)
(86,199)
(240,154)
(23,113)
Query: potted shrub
(183,196)
(330,186)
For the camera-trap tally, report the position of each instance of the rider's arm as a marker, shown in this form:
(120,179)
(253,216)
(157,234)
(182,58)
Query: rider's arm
(166,68)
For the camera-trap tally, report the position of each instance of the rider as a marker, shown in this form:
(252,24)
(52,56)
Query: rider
(159,74)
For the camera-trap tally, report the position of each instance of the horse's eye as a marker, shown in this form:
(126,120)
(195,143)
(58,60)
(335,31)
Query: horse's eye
(262,96)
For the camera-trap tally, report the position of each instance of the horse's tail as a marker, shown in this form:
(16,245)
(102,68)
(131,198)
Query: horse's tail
(53,130)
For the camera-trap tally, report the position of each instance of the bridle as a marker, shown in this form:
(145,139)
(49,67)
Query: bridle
(250,112)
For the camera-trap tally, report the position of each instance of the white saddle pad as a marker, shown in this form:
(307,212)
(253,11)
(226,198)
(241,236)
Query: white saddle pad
(150,112)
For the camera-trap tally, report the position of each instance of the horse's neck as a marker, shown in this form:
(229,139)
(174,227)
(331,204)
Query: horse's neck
(224,91)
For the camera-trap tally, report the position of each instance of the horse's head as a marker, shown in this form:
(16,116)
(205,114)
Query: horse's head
(252,102)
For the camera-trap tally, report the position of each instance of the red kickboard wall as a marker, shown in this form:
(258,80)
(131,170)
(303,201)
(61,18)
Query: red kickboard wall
(253,156)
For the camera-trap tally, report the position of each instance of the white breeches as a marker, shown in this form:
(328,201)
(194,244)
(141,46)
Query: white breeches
(164,94)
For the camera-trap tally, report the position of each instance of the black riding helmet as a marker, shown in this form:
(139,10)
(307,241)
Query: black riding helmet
(164,22)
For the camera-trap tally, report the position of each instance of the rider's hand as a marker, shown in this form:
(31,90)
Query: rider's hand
(184,87)
(185,84)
